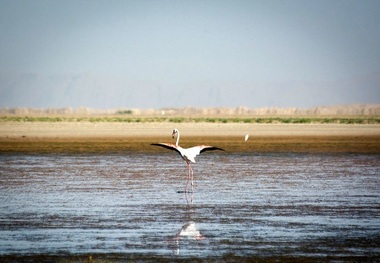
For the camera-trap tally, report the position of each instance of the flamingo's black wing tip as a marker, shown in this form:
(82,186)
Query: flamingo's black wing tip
(211,148)
(166,145)
(161,145)
(220,149)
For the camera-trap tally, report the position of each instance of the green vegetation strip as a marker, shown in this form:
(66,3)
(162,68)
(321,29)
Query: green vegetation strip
(265,120)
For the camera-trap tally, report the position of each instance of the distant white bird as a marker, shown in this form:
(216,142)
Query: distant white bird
(246,137)
(187,154)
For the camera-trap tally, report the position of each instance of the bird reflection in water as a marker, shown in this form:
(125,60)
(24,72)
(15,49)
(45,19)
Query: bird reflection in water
(189,198)
(187,232)
(190,231)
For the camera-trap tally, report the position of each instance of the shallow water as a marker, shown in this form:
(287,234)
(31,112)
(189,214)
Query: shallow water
(298,205)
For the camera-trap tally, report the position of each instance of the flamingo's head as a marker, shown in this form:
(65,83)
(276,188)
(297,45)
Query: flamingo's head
(174,132)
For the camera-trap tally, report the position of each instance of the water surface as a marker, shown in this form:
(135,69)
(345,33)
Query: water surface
(245,205)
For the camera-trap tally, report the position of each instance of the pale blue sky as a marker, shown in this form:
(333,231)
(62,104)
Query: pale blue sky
(110,54)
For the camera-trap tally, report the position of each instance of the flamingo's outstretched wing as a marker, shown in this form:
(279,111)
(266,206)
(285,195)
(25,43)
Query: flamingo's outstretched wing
(169,146)
(204,148)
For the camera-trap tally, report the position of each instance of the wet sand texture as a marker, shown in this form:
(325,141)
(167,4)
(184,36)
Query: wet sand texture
(120,137)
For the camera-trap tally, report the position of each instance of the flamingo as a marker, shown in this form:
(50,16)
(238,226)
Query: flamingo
(187,154)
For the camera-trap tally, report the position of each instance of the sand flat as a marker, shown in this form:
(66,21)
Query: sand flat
(119,137)
(118,129)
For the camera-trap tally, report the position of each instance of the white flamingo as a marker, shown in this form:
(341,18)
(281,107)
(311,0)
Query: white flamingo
(188,154)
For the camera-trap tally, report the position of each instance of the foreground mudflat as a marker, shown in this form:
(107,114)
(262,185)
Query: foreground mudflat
(246,206)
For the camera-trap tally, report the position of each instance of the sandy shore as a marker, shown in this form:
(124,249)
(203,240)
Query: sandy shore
(152,129)
(117,137)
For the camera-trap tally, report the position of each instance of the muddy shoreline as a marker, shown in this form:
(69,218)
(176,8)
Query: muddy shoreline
(85,137)
(296,144)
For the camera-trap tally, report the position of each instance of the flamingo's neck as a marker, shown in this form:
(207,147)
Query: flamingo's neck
(177,138)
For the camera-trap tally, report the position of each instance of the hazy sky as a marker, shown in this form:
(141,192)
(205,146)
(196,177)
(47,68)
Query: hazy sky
(152,54)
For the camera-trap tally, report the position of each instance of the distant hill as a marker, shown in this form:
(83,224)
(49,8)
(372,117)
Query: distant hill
(30,90)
